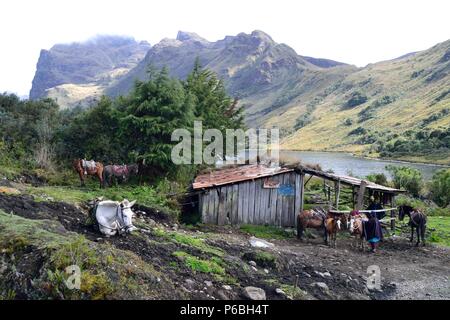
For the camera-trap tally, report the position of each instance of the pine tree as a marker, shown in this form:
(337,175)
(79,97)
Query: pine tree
(213,106)
(156,108)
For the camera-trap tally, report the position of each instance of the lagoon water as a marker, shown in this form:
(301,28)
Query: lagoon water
(347,164)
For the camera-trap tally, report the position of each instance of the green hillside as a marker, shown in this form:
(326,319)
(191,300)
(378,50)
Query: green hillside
(398,108)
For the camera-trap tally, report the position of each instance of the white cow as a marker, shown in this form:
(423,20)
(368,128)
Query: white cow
(115,217)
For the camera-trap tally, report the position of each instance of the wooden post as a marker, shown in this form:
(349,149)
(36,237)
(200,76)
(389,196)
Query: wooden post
(353,197)
(393,213)
(302,192)
(329,197)
(361,191)
(337,191)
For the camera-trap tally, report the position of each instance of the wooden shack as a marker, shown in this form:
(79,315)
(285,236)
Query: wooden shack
(250,194)
(360,190)
(263,195)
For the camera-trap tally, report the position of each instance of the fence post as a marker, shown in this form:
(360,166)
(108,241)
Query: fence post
(361,191)
(337,190)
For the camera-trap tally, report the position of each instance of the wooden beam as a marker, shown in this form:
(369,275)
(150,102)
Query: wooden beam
(310,177)
(337,191)
(364,211)
(361,191)
(393,214)
(353,197)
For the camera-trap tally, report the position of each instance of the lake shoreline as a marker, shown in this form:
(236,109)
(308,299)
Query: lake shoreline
(356,155)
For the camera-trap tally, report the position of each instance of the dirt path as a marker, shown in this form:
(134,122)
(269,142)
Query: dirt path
(415,273)
(407,272)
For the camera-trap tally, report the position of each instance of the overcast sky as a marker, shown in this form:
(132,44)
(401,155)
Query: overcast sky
(353,31)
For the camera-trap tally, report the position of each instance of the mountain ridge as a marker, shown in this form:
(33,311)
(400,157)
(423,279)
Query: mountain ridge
(318,104)
(94,63)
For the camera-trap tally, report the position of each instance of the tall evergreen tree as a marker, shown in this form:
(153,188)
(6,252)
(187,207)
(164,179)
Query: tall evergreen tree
(156,108)
(213,105)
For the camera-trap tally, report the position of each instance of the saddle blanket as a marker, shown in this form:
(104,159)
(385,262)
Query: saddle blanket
(120,170)
(88,164)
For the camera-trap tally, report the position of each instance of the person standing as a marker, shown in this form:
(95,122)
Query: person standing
(373,232)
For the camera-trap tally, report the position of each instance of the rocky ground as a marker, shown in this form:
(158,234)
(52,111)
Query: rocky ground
(171,261)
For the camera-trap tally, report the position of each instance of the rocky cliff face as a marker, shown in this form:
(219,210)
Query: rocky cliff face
(97,62)
(263,74)
(246,61)
(249,64)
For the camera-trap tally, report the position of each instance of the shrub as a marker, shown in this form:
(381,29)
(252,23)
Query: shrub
(378,178)
(348,122)
(355,100)
(407,178)
(357,131)
(440,187)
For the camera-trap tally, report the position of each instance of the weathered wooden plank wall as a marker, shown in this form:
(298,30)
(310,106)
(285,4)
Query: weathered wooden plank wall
(248,202)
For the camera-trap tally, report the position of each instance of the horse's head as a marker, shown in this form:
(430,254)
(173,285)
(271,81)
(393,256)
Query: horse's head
(404,210)
(127,214)
(351,224)
(133,169)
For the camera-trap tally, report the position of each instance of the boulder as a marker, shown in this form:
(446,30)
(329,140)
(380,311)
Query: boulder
(189,284)
(254,293)
(260,243)
(208,283)
(322,286)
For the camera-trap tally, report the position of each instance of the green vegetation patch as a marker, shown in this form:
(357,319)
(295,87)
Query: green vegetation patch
(18,231)
(188,240)
(145,195)
(212,266)
(266,232)
(262,258)
(294,292)
(441,233)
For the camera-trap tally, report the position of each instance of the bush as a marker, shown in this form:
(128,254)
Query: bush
(348,122)
(355,100)
(357,131)
(407,178)
(440,187)
(378,178)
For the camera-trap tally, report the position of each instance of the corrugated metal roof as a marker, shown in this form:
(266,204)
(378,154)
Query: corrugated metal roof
(249,172)
(235,174)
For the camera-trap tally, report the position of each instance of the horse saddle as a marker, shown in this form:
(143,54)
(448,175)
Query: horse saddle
(88,165)
(120,170)
(318,213)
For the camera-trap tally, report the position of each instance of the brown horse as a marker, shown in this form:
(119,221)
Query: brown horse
(356,229)
(95,170)
(314,218)
(333,224)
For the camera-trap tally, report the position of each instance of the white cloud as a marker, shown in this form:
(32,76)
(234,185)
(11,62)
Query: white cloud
(352,31)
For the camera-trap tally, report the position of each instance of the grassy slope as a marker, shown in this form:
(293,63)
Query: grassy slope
(441,235)
(106,272)
(415,101)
